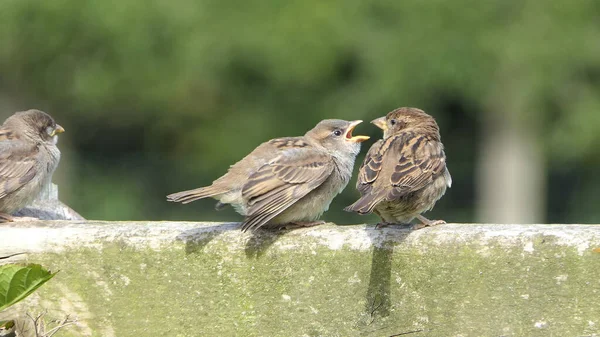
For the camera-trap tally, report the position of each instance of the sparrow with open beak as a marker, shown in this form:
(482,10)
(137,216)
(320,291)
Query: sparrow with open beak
(28,158)
(404,174)
(287,181)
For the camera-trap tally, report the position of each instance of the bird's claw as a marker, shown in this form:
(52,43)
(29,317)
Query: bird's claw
(388,224)
(6,217)
(381,225)
(300,224)
(9,218)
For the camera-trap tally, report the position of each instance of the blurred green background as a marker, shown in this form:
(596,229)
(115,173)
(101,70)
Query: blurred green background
(160,96)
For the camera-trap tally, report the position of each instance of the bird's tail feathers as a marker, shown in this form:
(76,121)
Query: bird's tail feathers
(364,205)
(185,197)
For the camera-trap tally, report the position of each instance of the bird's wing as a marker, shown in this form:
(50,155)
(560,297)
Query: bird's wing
(418,160)
(370,168)
(283,181)
(371,182)
(17,162)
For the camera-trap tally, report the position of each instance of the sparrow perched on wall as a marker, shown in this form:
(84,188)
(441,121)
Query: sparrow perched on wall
(28,158)
(287,181)
(403,174)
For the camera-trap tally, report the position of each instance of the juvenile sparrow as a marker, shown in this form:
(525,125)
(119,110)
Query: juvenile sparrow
(28,158)
(403,174)
(287,181)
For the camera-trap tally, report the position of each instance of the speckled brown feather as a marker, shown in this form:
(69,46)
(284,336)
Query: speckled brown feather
(238,174)
(28,158)
(274,187)
(17,165)
(400,171)
(291,179)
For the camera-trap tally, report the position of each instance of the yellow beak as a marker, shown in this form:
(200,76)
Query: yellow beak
(356,139)
(58,129)
(380,123)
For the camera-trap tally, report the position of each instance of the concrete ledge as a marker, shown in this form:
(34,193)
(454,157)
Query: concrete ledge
(209,279)
(47,206)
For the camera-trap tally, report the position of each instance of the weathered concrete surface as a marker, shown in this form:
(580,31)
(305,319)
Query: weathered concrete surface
(47,206)
(191,279)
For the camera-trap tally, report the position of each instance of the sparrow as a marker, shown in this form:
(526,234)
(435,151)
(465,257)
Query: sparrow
(28,158)
(404,174)
(287,181)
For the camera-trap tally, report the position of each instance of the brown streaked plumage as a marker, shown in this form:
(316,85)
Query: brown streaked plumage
(28,158)
(404,174)
(287,180)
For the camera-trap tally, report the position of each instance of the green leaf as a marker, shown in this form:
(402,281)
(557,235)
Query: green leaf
(19,281)
(7,324)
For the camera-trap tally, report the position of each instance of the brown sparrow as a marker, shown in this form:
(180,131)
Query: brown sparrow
(403,174)
(28,158)
(287,181)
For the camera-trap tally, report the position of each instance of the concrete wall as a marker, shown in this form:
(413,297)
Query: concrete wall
(209,279)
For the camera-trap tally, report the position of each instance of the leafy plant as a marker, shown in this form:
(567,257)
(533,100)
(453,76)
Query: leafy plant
(19,281)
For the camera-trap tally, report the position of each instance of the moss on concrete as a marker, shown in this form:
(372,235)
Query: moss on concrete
(265,286)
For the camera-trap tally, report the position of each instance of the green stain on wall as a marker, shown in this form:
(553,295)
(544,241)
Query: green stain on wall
(211,288)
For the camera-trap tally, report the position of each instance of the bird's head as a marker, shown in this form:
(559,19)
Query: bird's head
(36,125)
(335,135)
(403,119)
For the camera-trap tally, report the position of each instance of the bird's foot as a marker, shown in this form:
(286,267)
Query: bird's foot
(9,218)
(6,218)
(427,223)
(301,224)
(219,206)
(382,224)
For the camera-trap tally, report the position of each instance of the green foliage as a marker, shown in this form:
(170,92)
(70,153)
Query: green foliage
(7,324)
(19,281)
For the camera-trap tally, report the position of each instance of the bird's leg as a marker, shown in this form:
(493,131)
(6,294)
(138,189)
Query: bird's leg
(382,224)
(9,218)
(219,206)
(427,223)
(301,224)
(6,217)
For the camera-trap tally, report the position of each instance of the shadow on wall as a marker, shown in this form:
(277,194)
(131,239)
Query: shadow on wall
(196,239)
(378,298)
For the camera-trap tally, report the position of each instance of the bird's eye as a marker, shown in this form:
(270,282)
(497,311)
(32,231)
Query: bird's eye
(393,122)
(337,133)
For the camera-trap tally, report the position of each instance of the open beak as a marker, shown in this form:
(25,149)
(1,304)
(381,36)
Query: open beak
(57,130)
(380,123)
(356,139)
